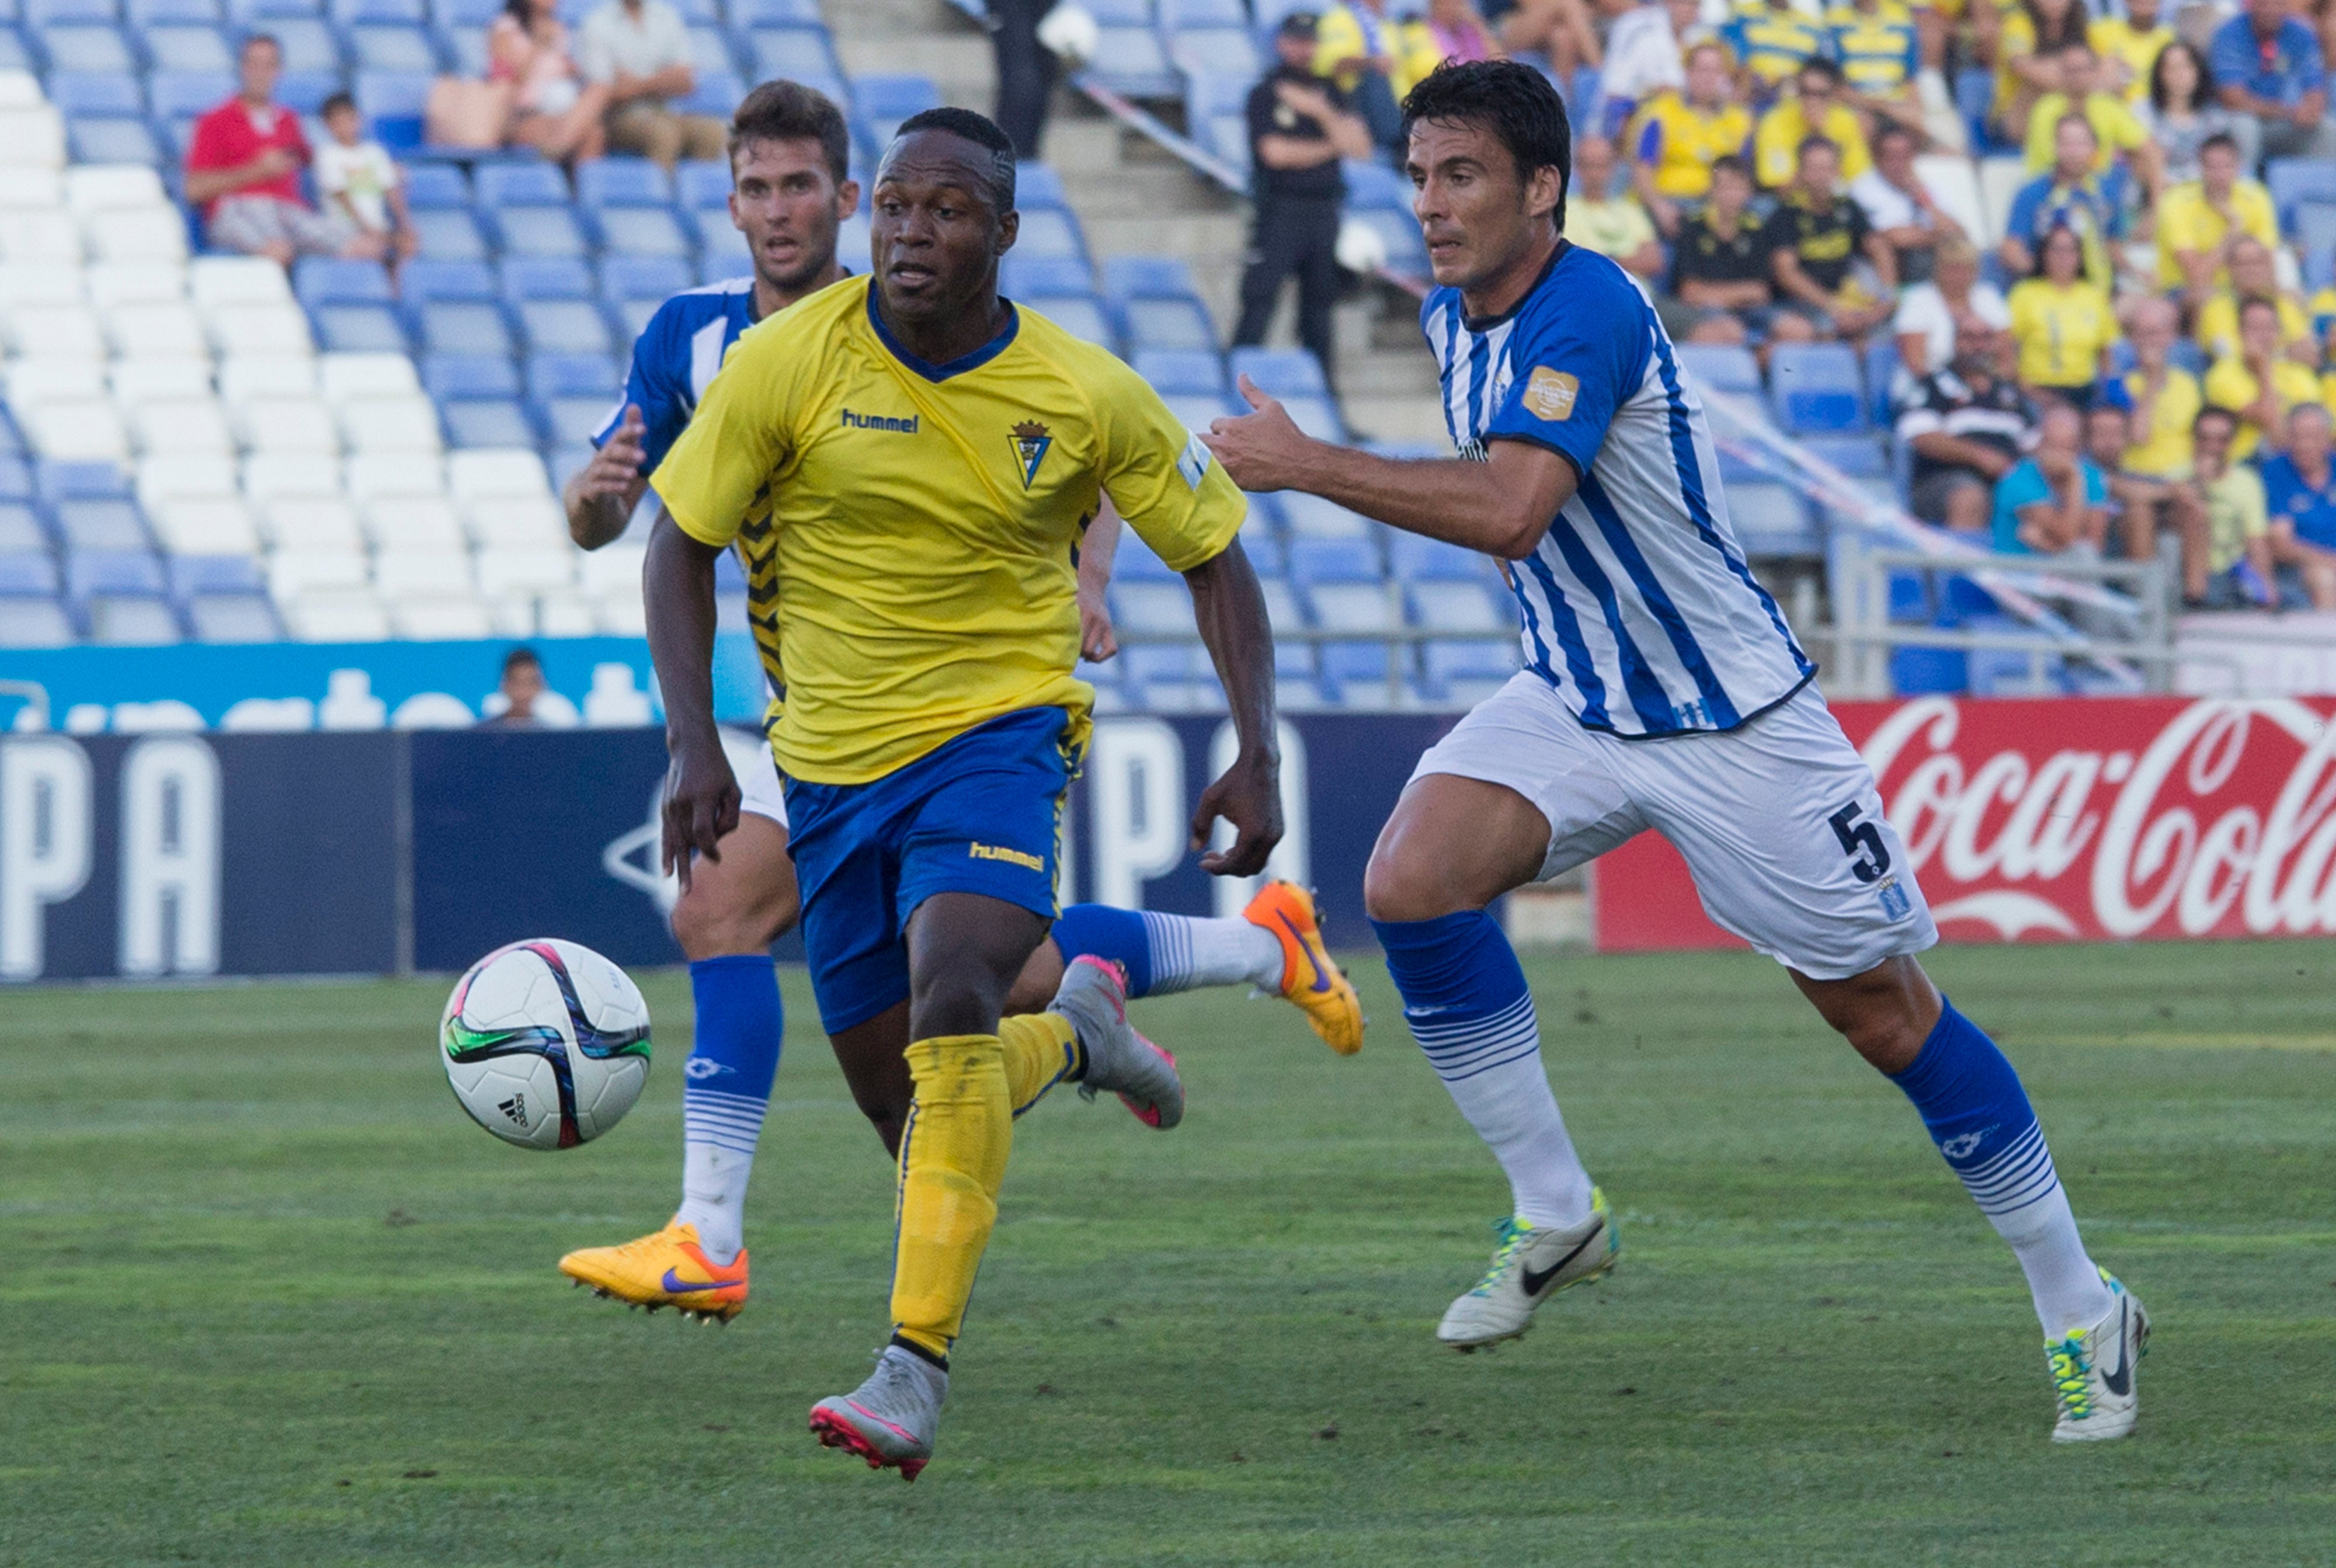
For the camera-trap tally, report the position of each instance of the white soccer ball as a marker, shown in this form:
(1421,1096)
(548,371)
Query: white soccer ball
(1070,32)
(546,1044)
(1360,247)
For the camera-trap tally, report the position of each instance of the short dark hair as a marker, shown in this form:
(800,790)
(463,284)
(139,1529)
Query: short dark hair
(520,658)
(2214,411)
(1516,102)
(790,112)
(1892,131)
(1821,65)
(2257,302)
(2222,139)
(983,131)
(250,39)
(1733,163)
(333,101)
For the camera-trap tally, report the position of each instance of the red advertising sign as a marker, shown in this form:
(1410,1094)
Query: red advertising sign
(2068,819)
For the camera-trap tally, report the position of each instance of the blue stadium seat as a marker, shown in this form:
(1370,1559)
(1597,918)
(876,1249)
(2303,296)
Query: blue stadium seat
(319,281)
(1359,664)
(234,618)
(55,480)
(2294,179)
(16,479)
(540,230)
(565,326)
(394,46)
(622,182)
(1188,371)
(436,185)
(425,279)
(702,182)
(651,277)
(1929,671)
(1283,372)
(644,231)
(358,329)
(1723,368)
(792,53)
(15,57)
(710,52)
(309,47)
(1473,663)
(1083,315)
(570,420)
(27,573)
(1772,520)
(49,13)
(82,47)
(95,93)
(1177,14)
(20,529)
(1051,231)
(193,48)
(720,262)
(777,13)
(392,99)
(113,571)
(358,13)
(1164,277)
(1120,13)
(1219,51)
(462,326)
(1131,60)
(248,12)
(449,233)
(183,94)
(487,422)
(1019,274)
(2314,223)
(1153,322)
(114,139)
(1322,561)
(501,185)
(556,375)
(452,377)
(305,91)
(1038,185)
(716,95)
(193,574)
(1412,559)
(148,16)
(884,100)
(1216,115)
(1815,386)
(467,47)
(525,277)
(1374,185)
(1859,456)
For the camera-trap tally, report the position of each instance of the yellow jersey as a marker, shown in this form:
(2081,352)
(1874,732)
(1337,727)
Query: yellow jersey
(1682,141)
(2231,384)
(908,528)
(1776,144)
(2114,129)
(1878,51)
(1771,42)
(2162,449)
(2188,222)
(2217,331)
(2115,38)
(2060,331)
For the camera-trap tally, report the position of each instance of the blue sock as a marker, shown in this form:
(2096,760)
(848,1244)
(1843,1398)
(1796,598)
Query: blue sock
(1970,1100)
(1104,932)
(1165,953)
(1464,998)
(725,1091)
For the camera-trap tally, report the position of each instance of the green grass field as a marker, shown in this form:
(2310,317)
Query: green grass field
(270,1299)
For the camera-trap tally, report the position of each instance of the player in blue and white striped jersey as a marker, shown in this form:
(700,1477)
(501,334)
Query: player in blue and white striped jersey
(1662,690)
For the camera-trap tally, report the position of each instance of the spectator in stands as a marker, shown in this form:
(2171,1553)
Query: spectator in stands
(2299,500)
(243,172)
(1458,30)
(2130,46)
(2053,501)
(514,705)
(2199,221)
(2117,136)
(553,110)
(1899,207)
(2253,275)
(1814,239)
(1772,39)
(1964,425)
(1645,55)
(637,52)
(2070,196)
(1816,111)
(1931,314)
(1026,70)
(2259,383)
(2273,79)
(2225,538)
(2031,34)
(1597,218)
(2162,402)
(1678,137)
(1720,290)
(1357,46)
(1879,52)
(2182,110)
(2063,322)
(2134,500)
(1299,126)
(360,181)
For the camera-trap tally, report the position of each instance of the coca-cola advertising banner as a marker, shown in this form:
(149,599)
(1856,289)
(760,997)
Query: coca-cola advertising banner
(2068,820)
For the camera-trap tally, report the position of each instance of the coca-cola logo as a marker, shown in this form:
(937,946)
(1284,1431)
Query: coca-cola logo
(2075,819)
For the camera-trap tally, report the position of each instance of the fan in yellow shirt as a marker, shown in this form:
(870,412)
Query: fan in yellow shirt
(2118,133)
(2128,46)
(2062,321)
(1678,136)
(2165,397)
(2254,276)
(1818,111)
(2259,383)
(906,462)
(2199,221)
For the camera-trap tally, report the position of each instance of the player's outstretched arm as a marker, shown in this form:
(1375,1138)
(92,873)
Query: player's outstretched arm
(601,496)
(1230,610)
(701,797)
(1500,506)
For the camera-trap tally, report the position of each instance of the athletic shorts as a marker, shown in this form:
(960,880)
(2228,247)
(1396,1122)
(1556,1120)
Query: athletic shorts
(758,773)
(1778,819)
(982,815)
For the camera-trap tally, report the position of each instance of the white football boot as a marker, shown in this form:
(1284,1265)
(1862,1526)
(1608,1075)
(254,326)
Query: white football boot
(1531,1264)
(2093,1371)
(891,1419)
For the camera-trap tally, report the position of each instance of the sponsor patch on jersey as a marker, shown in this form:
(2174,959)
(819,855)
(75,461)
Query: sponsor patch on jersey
(1549,393)
(1032,442)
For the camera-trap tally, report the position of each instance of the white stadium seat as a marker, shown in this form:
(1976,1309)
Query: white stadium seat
(192,424)
(376,475)
(112,282)
(415,522)
(312,523)
(476,474)
(344,377)
(346,615)
(37,189)
(32,137)
(400,574)
(20,89)
(114,187)
(218,281)
(517,521)
(246,376)
(165,478)
(138,382)
(76,430)
(167,329)
(287,425)
(37,381)
(565,615)
(270,475)
(613,568)
(25,283)
(155,234)
(207,525)
(237,329)
(523,572)
(441,620)
(56,332)
(403,424)
(31,237)
(623,615)
(300,573)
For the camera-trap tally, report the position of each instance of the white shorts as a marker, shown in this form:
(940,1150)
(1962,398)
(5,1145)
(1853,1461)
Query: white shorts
(757,772)
(1778,820)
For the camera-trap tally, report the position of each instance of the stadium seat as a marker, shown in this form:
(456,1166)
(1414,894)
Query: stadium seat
(20,532)
(1314,561)
(883,101)
(393,46)
(791,53)
(565,326)
(1284,373)
(1467,608)
(1725,369)
(209,526)
(539,230)
(1771,520)
(1051,231)
(217,282)
(1019,274)
(1083,315)
(1414,560)
(526,278)
(1313,517)
(450,377)
(1182,371)
(1816,387)
(28,573)
(182,47)
(358,329)
(265,330)
(654,278)
(318,280)
(233,618)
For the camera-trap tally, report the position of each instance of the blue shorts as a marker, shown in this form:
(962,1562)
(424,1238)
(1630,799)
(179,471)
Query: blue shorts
(982,815)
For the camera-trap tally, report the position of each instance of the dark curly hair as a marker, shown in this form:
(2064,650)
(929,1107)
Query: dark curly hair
(1516,102)
(982,131)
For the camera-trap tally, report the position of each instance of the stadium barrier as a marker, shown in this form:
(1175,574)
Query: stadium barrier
(2067,819)
(193,854)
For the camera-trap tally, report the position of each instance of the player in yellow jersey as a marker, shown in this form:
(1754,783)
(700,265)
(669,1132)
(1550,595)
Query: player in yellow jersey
(907,460)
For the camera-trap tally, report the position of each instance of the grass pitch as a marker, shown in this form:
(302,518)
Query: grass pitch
(270,1299)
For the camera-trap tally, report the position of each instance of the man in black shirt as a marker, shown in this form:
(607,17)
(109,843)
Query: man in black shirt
(1298,129)
(1718,288)
(1813,239)
(1966,426)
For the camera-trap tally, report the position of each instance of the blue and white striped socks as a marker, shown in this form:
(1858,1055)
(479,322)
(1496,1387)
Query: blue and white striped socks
(726,1089)
(1165,953)
(1465,1000)
(1970,1100)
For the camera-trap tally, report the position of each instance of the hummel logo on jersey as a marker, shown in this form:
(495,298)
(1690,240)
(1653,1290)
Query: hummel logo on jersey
(1000,852)
(515,1108)
(1032,440)
(881,422)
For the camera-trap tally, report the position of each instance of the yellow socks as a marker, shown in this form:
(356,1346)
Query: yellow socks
(952,1163)
(1041,1049)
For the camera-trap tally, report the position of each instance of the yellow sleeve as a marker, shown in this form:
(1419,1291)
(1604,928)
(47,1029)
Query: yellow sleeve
(2256,215)
(1772,149)
(1856,158)
(2255,507)
(2228,384)
(711,478)
(2117,125)
(2042,116)
(2177,219)
(1165,482)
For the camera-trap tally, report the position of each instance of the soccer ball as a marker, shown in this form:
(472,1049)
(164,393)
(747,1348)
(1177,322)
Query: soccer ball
(546,1044)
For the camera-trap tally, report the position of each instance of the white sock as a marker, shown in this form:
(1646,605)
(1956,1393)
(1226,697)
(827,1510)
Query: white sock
(2063,1279)
(1189,951)
(1513,1110)
(714,1197)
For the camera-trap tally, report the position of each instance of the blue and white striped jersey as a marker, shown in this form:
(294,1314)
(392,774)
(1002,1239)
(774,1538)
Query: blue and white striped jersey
(678,352)
(1637,606)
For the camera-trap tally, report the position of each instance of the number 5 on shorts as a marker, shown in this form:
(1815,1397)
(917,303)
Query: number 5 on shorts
(1861,842)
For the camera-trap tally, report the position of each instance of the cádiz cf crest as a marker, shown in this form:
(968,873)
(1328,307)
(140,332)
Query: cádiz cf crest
(1031,442)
